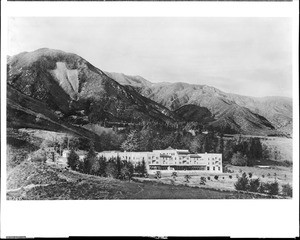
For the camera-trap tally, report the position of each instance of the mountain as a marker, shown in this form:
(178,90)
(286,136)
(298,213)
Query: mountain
(235,113)
(54,90)
(71,90)
(194,113)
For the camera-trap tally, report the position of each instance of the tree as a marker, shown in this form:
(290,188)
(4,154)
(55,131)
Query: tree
(118,166)
(80,167)
(242,183)
(287,190)
(131,143)
(220,146)
(187,178)
(158,175)
(238,159)
(143,168)
(262,188)
(102,167)
(137,168)
(146,139)
(228,150)
(265,152)
(202,181)
(111,169)
(127,171)
(254,185)
(256,150)
(95,168)
(272,188)
(197,143)
(73,160)
(174,175)
(90,160)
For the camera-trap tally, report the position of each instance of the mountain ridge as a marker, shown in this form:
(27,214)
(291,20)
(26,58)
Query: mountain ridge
(79,93)
(69,83)
(276,110)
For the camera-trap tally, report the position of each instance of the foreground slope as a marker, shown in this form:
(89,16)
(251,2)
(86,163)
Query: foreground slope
(38,181)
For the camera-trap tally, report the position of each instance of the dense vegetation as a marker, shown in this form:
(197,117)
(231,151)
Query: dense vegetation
(147,136)
(245,183)
(100,166)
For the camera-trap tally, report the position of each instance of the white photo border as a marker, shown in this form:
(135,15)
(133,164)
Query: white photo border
(235,218)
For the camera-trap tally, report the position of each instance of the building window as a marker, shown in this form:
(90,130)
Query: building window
(219,168)
(214,168)
(208,168)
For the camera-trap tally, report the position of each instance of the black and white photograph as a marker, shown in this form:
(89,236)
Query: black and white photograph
(136,125)
(149,108)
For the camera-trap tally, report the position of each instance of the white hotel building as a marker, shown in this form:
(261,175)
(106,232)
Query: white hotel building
(170,160)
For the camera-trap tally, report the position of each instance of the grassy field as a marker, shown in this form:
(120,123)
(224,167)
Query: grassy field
(282,146)
(224,182)
(38,181)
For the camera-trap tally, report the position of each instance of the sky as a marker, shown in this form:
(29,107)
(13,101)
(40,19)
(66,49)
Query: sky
(247,56)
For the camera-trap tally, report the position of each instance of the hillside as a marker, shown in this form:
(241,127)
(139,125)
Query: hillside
(194,113)
(241,114)
(66,92)
(74,91)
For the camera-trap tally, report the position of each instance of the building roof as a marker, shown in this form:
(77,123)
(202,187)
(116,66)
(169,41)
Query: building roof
(165,155)
(194,156)
(110,151)
(169,148)
(182,153)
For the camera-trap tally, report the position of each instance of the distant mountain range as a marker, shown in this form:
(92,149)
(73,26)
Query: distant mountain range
(248,115)
(54,90)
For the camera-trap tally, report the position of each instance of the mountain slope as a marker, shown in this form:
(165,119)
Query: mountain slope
(75,90)
(235,112)
(194,113)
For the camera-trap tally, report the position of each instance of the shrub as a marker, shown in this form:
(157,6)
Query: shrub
(254,185)
(208,178)
(263,176)
(242,183)
(73,160)
(230,177)
(287,190)
(237,176)
(39,156)
(158,175)
(250,175)
(269,175)
(288,163)
(216,177)
(174,175)
(187,178)
(202,181)
(262,188)
(272,188)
